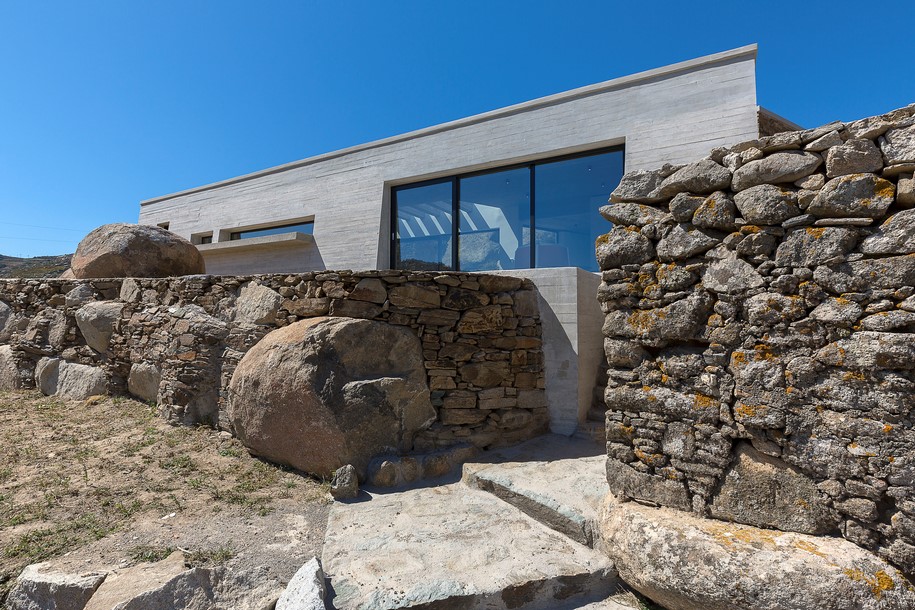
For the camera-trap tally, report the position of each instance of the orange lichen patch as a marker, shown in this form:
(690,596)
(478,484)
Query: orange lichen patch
(701,401)
(730,535)
(645,320)
(808,546)
(749,229)
(738,358)
(853,376)
(624,430)
(815,232)
(789,389)
(801,502)
(745,410)
(763,352)
(651,459)
(664,378)
(887,428)
(602,239)
(890,459)
(885,189)
(879,583)
(715,320)
(651,397)
(633,229)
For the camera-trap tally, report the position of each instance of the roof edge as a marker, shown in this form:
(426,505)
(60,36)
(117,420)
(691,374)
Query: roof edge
(549,100)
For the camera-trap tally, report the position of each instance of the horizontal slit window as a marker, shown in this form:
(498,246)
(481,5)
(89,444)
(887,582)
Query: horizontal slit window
(300,227)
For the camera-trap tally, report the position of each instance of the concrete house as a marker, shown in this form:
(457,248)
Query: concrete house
(515,190)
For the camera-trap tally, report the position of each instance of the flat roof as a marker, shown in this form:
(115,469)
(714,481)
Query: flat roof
(549,100)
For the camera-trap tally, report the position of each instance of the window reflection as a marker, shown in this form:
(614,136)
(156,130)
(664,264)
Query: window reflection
(495,221)
(424,216)
(569,194)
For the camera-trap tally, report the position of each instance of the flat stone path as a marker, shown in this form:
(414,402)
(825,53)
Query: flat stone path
(453,546)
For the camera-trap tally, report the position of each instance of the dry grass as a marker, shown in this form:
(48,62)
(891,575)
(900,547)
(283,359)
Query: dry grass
(74,472)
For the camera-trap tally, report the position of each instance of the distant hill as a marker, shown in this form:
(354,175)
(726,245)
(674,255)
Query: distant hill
(39,266)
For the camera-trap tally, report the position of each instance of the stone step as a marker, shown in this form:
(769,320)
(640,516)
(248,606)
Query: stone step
(559,481)
(454,547)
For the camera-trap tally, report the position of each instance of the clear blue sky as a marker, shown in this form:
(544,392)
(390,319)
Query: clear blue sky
(106,103)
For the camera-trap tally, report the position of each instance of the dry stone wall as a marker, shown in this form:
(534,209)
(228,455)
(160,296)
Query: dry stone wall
(177,341)
(760,308)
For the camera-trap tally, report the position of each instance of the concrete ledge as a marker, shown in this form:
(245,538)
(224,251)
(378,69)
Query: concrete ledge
(268,242)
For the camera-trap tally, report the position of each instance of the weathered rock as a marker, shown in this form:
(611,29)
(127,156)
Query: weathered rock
(345,484)
(628,482)
(124,250)
(412,295)
(764,491)
(777,168)
(307,307)
(895,236)
(825,141)
(143,381)
(905,191)
(683,206)
(624,353)
(623,246)
(772,308)
(9,372)
(869,350)
(701,178)
(684,241)
(257,304)
(889,272)
(813,246)
(306,590)
(888,320)
(5,311)
(767,204)
(898,145)
(485,374)
(716,212)
(481,320)
(639,186)
(154,586)
(79,296)
(684,562)
(79,382)
(633,214)
(678,321)
(370,289)
(837,311)
(97,322)
(326,392)
(41,587)
(460,299)
(853,157)
(731,275)
(853,196)
(46,374)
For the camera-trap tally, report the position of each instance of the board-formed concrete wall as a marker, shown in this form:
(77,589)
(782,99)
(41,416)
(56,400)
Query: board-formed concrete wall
(177,341)
(672,113)
(760,309)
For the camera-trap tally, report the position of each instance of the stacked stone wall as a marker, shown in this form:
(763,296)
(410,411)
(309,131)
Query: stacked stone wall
(760,309)
(177,341)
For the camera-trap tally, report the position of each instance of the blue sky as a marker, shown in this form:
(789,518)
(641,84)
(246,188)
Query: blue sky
(106,103)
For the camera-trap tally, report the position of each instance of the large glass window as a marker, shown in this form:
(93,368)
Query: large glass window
(569,195)
(542,214)
(301,227)
(495,221)
(423,237)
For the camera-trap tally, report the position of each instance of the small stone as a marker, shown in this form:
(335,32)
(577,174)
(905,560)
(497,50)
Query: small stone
(895,236)
(41,586)
(799,221)
(372,290)
(853,157)
(898,145)
(640,186)
(79,382)
(632,214)
(683,206)
(813,246)
(731,275)
(97,321)
(776,168)
(813,182)
(823,142)
(306,589)
(716,212)
(623,246)
(767,204)
(905,191)
(345,484)
(143,381)
(257,304)
(837,311)
(684,241)
(844,222)
(701,178)
(854,195)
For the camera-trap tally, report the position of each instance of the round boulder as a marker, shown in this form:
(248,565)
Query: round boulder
(326,392)
(126,250)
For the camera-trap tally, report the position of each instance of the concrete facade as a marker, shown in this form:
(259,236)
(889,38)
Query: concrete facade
(673,114)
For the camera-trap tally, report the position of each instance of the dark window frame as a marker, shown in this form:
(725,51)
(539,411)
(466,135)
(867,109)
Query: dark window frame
(455,180)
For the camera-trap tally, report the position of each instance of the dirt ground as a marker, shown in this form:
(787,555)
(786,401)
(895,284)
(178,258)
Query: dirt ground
(105,483)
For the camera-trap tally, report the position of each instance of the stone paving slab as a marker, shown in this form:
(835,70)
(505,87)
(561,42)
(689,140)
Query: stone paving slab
(455,547)
(559,481)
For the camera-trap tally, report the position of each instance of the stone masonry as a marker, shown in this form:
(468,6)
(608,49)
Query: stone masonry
(760,308)
(177,341)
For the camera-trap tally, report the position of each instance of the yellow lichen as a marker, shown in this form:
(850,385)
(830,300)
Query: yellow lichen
(745,410)
(879,583)
(815,232)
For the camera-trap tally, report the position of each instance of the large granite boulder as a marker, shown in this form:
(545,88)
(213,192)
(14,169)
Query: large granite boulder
(684,562)
(125,250)
(326,392)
